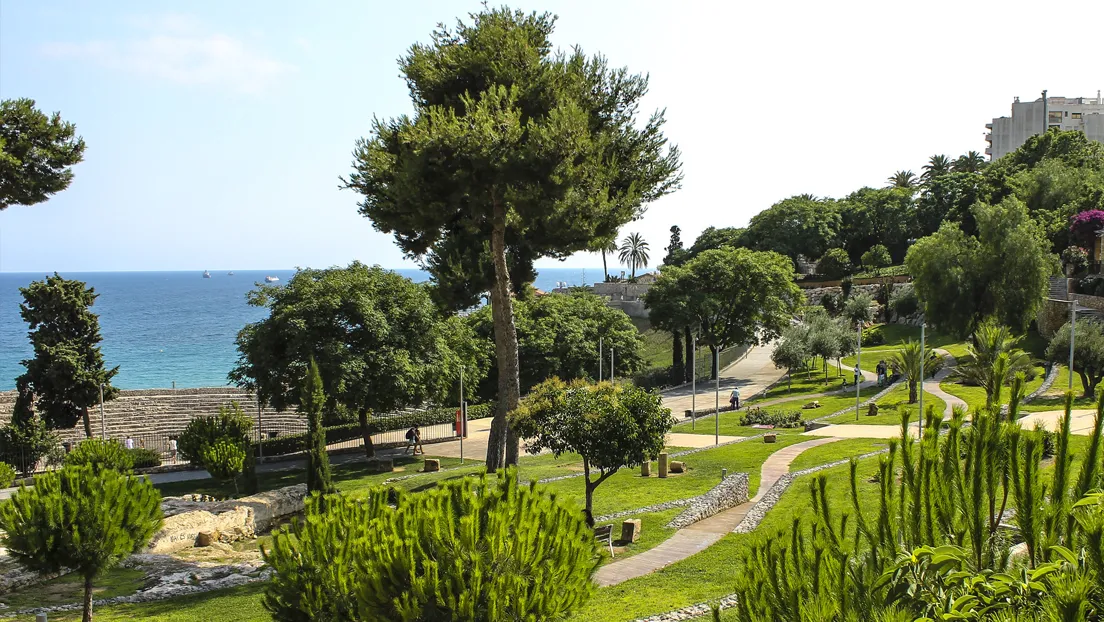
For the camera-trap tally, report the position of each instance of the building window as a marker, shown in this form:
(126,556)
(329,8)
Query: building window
(1054,116)
(1076,115)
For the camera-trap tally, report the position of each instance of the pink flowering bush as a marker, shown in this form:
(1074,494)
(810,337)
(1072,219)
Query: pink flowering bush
(1085,225)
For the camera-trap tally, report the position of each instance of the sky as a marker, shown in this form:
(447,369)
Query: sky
(217,131)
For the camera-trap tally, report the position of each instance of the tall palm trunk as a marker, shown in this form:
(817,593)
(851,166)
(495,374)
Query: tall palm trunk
(605,270)
(502,443)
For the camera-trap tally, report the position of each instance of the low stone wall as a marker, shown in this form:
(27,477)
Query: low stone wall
(814,294)
(233,520)
(732,491)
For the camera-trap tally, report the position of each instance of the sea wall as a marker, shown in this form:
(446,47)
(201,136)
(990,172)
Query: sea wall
(151,414)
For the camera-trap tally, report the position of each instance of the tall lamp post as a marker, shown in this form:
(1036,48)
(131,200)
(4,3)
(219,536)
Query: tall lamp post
(1073,324)
(717,387)
(693,381)
(858,366)
(923,373)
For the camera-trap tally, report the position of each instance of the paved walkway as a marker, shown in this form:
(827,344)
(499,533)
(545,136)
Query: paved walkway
(869,379)
(1082,422)
(753,373)
(703,534)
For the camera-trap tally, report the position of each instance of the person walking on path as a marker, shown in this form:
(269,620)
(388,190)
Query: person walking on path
(411,443)
(734,399)
(858,374)
(172,448)
(418,442)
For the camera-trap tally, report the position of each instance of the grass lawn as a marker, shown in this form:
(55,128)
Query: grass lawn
(731,422)
(70,589)
(839,450)
(239,604)
(803,383)
(887,408)
(975,396)
(653,531)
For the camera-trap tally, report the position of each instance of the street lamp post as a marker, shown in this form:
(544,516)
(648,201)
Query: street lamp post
(858,366)
(923,373)
(463,417)
(1073,324)
(693,382)
(717,386)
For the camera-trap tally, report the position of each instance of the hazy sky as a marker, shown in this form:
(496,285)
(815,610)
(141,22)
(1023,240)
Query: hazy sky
(217,131)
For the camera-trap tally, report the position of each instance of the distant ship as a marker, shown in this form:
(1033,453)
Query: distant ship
(271,279)
(230,273)
(206,274)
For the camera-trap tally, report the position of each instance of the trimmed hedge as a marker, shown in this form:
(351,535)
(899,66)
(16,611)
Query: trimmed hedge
(144,458)
(780,419)
(348,431)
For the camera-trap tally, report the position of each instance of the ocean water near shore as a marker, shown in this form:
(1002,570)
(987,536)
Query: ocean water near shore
(165,327)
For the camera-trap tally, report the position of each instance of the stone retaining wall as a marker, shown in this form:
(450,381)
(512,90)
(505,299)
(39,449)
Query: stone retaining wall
(732,491)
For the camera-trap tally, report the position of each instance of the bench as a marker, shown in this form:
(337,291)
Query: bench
(605,534)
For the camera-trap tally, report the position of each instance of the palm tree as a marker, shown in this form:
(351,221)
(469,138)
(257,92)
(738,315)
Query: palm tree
(634,253)
(989,344)
(912,363)
(972,162)
(607,247)
(903,179)
(937,165)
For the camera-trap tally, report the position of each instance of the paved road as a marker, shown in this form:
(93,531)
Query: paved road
(752,372)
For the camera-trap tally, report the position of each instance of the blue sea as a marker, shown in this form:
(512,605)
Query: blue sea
(162,328)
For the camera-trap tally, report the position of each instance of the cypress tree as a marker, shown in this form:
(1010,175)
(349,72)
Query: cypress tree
(311,402)
(80,519)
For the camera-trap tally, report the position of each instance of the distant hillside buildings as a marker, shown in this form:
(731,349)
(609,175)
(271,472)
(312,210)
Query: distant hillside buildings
(1006,134)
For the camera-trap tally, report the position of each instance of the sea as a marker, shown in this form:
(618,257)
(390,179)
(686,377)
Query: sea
(165,329)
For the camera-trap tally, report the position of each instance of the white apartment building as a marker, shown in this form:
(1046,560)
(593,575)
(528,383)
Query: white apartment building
(1007,134)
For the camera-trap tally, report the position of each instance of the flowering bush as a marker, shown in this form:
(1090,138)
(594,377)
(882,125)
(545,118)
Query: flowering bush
(1075,259)
(1085,225)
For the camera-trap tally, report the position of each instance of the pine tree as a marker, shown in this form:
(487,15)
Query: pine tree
(79,519)
(464,552)
(224,460)
(318,461)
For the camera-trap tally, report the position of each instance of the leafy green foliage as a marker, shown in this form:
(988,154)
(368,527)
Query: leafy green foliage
(859,308)
(873,336)
(778,419)
(37,153)
(68,368)
(633,253)
(231,423)
(610,426)
(558,336)
(25,440)
(101,454)
(378,340)
(713,238)
(835,264)
(989,345)
(82,520)
(876,258)
(800,225)
(224,460)
(312,402)
(7,475)
(870,216)
(1088,352)
(463,551)
(903,301)
(1002,273)
(913,363)
(143,458)
(732,296)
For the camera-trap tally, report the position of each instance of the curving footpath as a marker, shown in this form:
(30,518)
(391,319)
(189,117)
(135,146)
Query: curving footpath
(703,534)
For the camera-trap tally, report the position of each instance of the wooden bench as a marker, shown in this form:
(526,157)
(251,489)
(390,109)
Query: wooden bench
(605,534)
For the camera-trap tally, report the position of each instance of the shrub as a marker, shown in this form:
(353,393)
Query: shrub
(144,458)
(231,423)
(780,419)
(25,441)
(903,301)
(859,308)
(1092,285)
(82,520)
(832,303)
(463,551)
(1085,225)
(876,258)
(100,455)
(7,475)
(224,460)
(835,264)
(873,336)
(1075,259)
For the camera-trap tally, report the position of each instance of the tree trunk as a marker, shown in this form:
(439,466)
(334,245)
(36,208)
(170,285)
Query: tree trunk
(688,342)
(912,391)
(588,507)
(87,423)
(87,599)
(605,270)
(678,370)
(502,443)
(369,448)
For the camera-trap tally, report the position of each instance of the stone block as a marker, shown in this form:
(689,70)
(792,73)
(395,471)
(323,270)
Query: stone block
(630,530)
(663,464)
(678,467)
(206,538)
(383,465)
(769,438)
(432,464)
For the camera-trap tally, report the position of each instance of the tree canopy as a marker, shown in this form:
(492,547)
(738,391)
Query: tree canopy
(378,340)
(713,238)
(558,336)
(1001,273)
(1088,353)
(37,153)
(68,368)
(731,296)
(800,225)
(510,140)
(610,426)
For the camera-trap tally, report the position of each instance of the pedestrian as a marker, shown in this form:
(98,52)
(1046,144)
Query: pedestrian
(172,448)
(129,443)
(881,372)
(858,374)
(418,441)
(734,399)
(410,441)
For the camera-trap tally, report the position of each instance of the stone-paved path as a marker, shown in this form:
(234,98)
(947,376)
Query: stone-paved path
(703,534)
(752,372)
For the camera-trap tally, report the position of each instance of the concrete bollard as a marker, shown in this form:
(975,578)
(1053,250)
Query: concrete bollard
(646,469)
(677,467)
(40,617)
(724,474)
(663,464)
(630,530)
